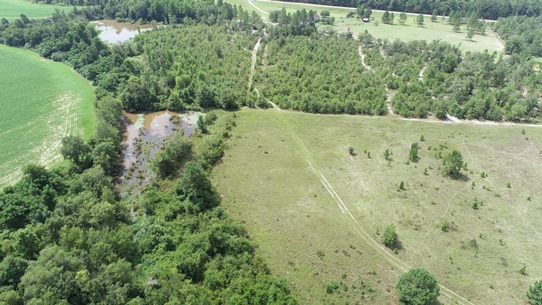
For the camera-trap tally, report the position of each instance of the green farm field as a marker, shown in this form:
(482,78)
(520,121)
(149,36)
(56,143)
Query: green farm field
(317,212)
(41,102)
(12,9)
(438,30)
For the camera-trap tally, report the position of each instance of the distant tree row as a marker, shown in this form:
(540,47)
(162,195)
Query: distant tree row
(487,9)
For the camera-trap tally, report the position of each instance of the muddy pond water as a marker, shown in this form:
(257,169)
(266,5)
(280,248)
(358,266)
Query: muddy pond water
(112,31)
(144,136)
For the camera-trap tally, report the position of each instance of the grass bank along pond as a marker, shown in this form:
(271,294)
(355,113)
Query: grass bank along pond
(144,136)
(112,31)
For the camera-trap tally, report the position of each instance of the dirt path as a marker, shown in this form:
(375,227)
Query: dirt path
(362,56)
(274,105)
(388,100)
(392,259)
(368,68)
(253,64)
(420,76)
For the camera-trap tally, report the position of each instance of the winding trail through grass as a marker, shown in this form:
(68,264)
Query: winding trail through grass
(392,259)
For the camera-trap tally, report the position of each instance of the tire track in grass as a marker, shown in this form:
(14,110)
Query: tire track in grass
(458,299)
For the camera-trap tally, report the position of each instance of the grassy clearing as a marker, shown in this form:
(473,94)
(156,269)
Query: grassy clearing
(42,101)
(12,9)
(410,31)
(267,182)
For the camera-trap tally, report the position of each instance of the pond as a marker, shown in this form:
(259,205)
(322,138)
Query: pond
(144,136)
(112,31)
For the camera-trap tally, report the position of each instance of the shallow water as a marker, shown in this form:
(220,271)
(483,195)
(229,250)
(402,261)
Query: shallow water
(143,138)
(112,31)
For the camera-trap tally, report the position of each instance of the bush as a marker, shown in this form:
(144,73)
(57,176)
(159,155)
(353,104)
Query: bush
(390,238)
(535,293)
(417,287)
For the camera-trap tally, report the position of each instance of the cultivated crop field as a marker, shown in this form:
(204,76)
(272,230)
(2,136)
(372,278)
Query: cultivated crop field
(41,102)
(438,30)
(12,9)
(317,212)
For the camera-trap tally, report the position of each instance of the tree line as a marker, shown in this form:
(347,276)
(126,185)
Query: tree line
(486,9)
(523,35)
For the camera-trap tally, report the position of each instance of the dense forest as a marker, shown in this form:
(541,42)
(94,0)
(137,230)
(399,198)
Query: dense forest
(486,9)
(190,67)
(435,78)
(523,35)
(301,73)
(68,238)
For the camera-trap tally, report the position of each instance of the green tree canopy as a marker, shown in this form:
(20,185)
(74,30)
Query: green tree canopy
(453,164)
(535,293)
(417,287)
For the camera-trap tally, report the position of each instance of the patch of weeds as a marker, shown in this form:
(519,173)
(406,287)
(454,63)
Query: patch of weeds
(320,254)
(471,244)
(445,226)
(332,287)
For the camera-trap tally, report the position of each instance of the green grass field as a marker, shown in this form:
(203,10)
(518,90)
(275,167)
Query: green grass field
(12,9)
(317,213)
(41,102)
(408,32)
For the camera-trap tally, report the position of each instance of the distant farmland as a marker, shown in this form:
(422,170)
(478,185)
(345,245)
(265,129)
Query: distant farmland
(41,102)
(12,9)
(317,211)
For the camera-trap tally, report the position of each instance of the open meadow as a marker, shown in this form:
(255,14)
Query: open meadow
(438,30)
(41,102)
(317,212)
(12,9)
